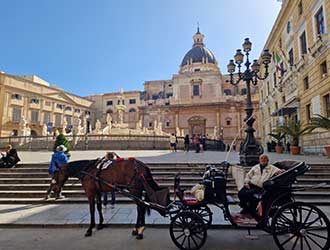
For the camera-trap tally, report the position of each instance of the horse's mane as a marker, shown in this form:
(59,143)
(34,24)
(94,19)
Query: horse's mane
(74,168)
(148,175)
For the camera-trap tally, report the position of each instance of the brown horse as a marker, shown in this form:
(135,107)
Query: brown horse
(126,174)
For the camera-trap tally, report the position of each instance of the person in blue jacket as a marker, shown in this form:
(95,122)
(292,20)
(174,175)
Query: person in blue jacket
(59,158)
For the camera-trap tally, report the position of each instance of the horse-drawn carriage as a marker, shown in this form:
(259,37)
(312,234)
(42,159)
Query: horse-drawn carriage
(293,224)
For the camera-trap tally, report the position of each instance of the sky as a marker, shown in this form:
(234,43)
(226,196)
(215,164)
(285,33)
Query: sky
(91,47)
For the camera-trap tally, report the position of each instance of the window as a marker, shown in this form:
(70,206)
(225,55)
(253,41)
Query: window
(168,95)
(150,124)
(132,110)
(109,103)
(154,97)
(58,120)
(303,43)
(326,101)
(68,120)
(291,58)
(167,124)
(17,113)
(227,92)
(308,112)
(306,82)
(195,90)
(59,106)
(132,101)
(268,90)
(288,27)
(228,122)
(196,70)
(319,20)
(77,111)
(323,69)
(34,100)
(68,108)
(243,91)
(34,116)
(283,99)
(16,97)
(274,79)
(300,8)
(46,117)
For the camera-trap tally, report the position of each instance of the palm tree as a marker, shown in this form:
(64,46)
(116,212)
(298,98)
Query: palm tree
(319,121)
(278,136)
(295,130)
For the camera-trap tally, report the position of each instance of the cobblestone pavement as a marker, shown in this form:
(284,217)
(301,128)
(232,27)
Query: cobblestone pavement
(121,239)
(166,156)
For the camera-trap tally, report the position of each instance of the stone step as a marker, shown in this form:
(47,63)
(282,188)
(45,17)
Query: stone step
(77,186)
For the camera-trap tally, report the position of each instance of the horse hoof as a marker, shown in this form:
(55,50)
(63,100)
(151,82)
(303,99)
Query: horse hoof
(134,232)
(87,234)
(139,236)
(100,227)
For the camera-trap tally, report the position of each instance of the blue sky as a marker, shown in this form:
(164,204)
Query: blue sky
(89,47)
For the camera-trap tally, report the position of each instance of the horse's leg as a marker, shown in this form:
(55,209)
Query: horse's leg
(99,209)
(140,222)
(91,200)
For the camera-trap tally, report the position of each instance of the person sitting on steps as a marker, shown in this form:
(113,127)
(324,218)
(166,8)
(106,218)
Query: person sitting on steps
(253,184)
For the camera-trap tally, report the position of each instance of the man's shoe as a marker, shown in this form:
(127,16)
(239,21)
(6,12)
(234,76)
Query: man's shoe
(60,197)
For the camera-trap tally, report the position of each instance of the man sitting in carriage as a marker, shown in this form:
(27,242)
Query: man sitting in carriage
(253,184)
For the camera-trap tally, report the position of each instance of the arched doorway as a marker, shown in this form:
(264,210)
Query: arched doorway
(197,125)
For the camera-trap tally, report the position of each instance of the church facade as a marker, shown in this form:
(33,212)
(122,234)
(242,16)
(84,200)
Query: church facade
(196,100)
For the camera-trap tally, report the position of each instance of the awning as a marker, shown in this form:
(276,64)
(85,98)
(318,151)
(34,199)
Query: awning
(285,111)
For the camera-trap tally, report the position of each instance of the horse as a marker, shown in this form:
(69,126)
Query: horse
(127,174)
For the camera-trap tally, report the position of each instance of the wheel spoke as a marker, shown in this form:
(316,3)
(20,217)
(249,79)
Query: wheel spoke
(317,235)
(189,242)
(315,228)
(295,243)
(315,242)
(309,214)
(193,239)
(309,246)
(184,239)
(179,236)
(301,243)
(287,240)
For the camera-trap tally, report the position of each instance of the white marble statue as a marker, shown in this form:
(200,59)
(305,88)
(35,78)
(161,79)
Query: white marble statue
(44,130)
(22,126)
(98,127)
(139,125)
(177,131)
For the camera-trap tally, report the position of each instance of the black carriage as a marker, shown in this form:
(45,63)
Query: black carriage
(293,224)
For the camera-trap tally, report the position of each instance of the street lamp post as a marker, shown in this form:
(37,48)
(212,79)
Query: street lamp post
(250,149)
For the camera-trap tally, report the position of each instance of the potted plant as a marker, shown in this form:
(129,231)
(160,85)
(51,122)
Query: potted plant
(319,121)
(278,137)
(294,129)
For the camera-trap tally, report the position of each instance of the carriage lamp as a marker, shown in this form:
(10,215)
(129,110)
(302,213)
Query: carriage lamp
(250,149)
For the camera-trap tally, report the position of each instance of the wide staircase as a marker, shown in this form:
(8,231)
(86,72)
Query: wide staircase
(27,183)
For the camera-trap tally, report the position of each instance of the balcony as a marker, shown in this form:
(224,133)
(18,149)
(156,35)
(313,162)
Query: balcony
(319,45)
(18,102)
(34,105)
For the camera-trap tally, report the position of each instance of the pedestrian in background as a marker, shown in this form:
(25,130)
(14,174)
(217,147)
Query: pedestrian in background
(109,156)
(173,142)
(59,158)
(197,143)
(186,143)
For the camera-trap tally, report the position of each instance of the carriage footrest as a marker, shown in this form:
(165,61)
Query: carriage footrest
(244,220)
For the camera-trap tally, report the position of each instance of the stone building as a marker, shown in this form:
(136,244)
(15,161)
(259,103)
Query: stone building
(34,101)
(299,82)
(196,100)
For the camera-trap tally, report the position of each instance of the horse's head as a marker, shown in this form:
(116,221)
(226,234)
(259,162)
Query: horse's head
(61,176)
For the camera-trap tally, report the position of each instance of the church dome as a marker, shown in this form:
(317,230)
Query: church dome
(197,54)
(198,58)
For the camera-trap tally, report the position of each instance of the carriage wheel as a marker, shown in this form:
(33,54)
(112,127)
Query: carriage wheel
(205,213)
(188,231)
(300,226)
(273,208)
